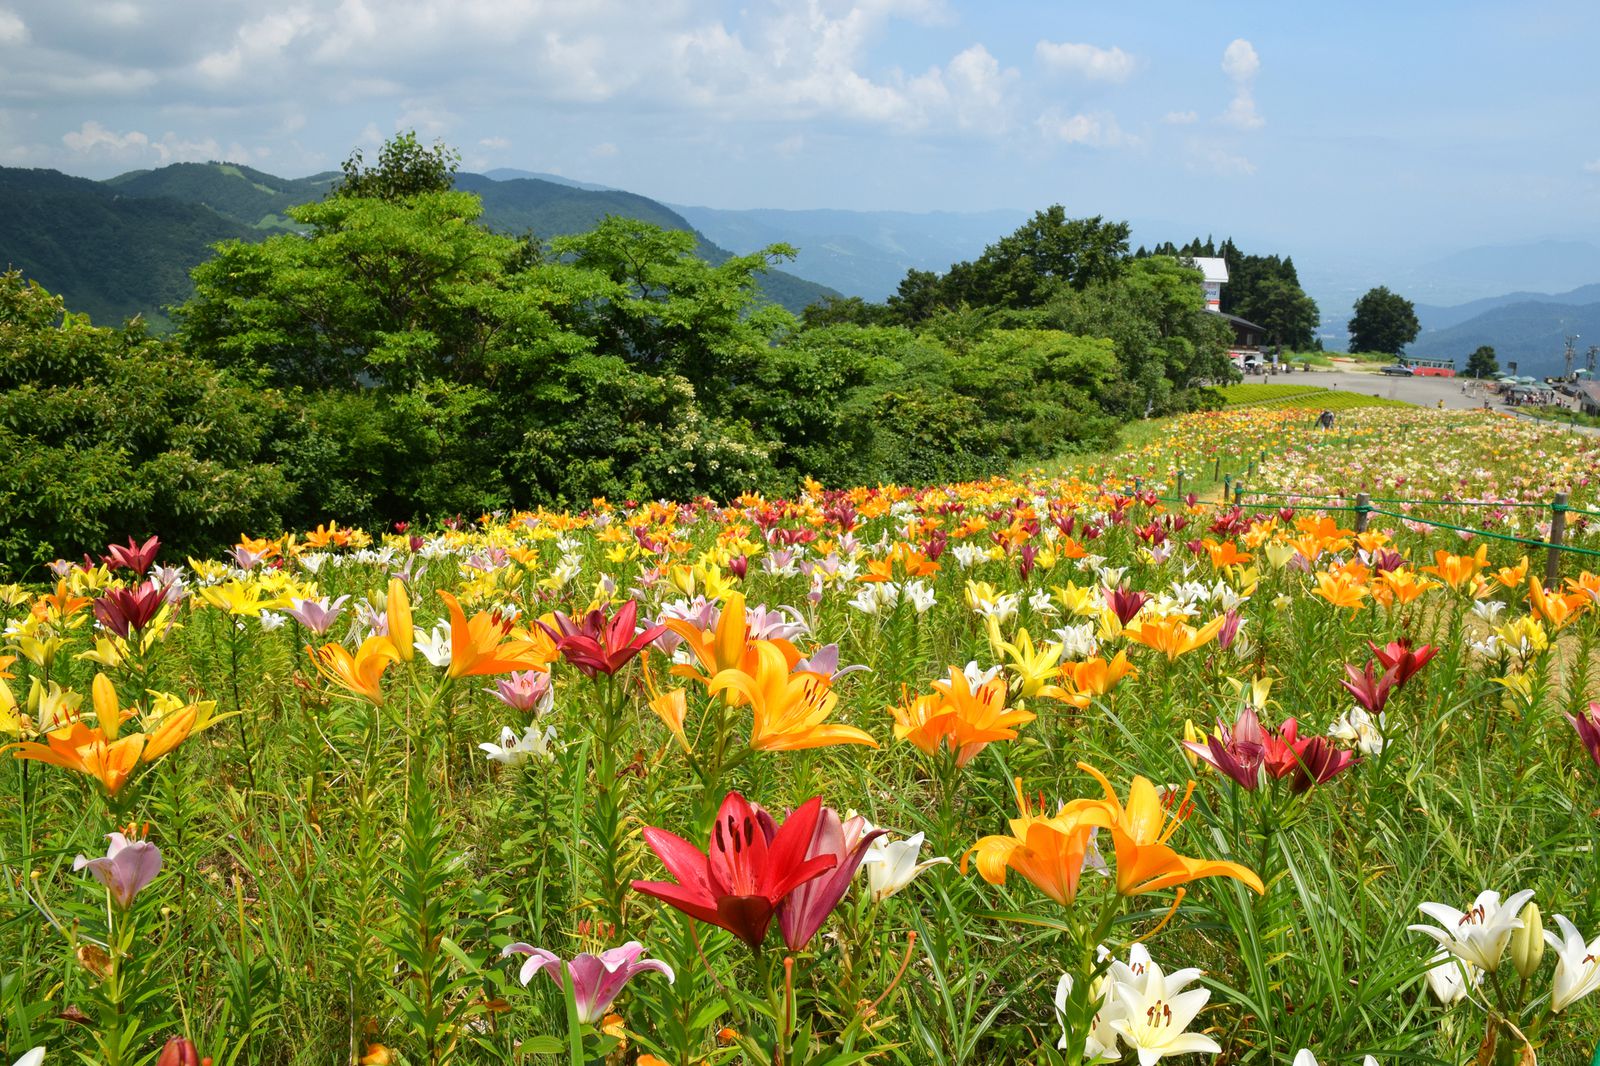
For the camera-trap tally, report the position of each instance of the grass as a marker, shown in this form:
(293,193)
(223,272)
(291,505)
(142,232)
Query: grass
(1301,396)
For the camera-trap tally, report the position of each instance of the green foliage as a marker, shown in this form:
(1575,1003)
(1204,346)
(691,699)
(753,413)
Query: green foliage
(1383,322)
(112,433)
(405,168)
(1482,362)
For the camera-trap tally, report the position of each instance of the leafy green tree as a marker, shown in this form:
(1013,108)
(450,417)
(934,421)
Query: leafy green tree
(658,306)
(1482,362)
(844,311)
(1167,344)
(1384,321)
(405,168)
(112,433)
(1044,255)
(1284,311)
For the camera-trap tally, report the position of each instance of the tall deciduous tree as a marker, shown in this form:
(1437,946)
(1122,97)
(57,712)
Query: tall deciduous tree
(1384,321)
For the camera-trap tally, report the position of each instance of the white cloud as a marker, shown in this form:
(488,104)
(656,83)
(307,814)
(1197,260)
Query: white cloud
(1218,160)
(494,143)
(1099,130)
(94,139)
(255,43)
(1241,64)
(1239,60)
(12,29)
(1181,118)
(603,150)
(1086,60)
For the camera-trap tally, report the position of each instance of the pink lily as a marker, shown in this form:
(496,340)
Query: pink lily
(597,980)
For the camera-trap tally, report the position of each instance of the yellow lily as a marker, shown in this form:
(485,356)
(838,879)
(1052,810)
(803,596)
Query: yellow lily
(791,710)
(1173,636)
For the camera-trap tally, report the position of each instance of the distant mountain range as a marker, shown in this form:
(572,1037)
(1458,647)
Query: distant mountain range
(1528,329)
(861,253)
(125,246)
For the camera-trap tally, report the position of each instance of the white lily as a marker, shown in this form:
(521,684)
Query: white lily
(1577,965)
(1304,1057)
(1101,1043)
(1360,730)
(434,646)
(514,750)
(892,865)
(1449,977)
(1480,934)
(31,1058)
(1154,1021)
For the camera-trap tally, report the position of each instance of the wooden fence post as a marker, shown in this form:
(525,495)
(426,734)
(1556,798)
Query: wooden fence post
(1363,505)
(1179,493)
(1238,494)
(1216,471)
(1558,529)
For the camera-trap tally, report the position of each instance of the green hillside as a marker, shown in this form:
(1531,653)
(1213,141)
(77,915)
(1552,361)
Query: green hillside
(125,246)
(112,256)
(247,196)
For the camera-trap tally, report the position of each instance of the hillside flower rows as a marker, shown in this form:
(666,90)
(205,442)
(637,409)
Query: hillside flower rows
(1061,769)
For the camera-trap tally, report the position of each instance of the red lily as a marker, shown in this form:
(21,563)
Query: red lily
(749,867)
(1239,755)
(136,557)
(597,645)
(809,905)
(1312,760)
(1126,603)
(1399,658)
(123,610)
(1587,725)
(1370,690)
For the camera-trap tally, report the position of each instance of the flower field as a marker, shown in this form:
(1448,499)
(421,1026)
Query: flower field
(1077,768)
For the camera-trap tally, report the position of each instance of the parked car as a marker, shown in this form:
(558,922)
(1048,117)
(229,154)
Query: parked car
(1396,370)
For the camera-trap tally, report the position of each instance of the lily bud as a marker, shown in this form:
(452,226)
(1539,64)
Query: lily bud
(398,608)
(1527,943)
(1192,736)
(180,1051)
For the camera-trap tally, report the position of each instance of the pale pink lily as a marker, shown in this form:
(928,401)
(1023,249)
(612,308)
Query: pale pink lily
(597,980)
(125,869)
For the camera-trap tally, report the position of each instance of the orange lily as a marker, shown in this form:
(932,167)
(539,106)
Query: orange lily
(1173,636)
(478,647)
(361,673)
(1512,577)
(1140,830)
(1555,609)
(1226,553)
(1399,586)
(1454,570)
(1096,677)
(1341,590)
(791,710)
(1048,851)
(728,647)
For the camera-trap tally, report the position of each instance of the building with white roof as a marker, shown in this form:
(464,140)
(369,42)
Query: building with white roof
(1215,271)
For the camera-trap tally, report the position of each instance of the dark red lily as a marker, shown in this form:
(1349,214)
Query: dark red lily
(179,1051)
(1587,725)
(1239,753)
(136,557)
(1126,603)
(598,645)
(749,868)
(1370,690)
(125,610)
(809,905)
(1310,761)
(1399,658)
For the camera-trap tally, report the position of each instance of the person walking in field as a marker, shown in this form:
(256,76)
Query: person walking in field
(1325,420)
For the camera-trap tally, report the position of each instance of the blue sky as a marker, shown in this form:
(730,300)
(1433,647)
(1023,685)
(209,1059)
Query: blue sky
(1327,130)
